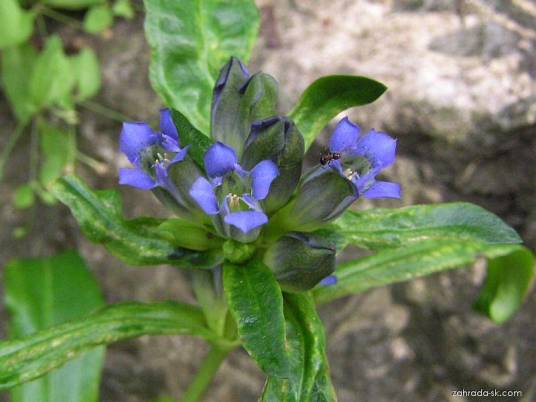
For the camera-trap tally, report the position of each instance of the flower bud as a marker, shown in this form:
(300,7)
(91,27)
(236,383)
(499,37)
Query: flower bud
(239,100)
(322,196)
(276,139)
(300,261)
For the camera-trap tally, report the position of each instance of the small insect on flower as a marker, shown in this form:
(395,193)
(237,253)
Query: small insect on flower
(326,156)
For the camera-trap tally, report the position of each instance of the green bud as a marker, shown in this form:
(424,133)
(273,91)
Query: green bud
(237,252)
(188,235)
(299,261)
(278,140)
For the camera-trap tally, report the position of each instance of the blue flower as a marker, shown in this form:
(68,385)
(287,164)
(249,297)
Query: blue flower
(362,158)
(151,153)
(232,195)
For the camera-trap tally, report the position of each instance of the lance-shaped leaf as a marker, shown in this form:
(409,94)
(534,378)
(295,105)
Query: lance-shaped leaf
(28,358)
(137,242)
(434,255)
(380,227)
(190,41)
(256,303)
(309,378)
(16,24)
(327,97)
(44,292)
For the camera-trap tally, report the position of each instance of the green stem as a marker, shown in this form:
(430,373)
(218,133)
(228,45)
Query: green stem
(11,142)
(206,373)
(64,19)
(104,111)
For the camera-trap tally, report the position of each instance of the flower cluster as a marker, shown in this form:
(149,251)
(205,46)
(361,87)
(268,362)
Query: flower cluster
(251,176)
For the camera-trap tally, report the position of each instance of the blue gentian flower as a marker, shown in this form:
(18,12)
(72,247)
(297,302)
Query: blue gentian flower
(151,153)
(362,158)
(231,194)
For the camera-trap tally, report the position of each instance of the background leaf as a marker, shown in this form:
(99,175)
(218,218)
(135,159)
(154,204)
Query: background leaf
(309,372)
(327,97)
(24,196)
(86,69)
(508,281)
(41,293)
(137,242)
(256,303)
(381,227)
(17,65)
(27,358)
(16,24)
(52,62)
(58,149)
(72,4)
(123,8)
(190,41)
(98,18)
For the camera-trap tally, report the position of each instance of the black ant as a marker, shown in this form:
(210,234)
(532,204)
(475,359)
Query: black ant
(327,156)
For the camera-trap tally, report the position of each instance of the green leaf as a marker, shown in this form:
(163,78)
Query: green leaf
(51,81)
(430,256)
(41,293)
(190,41)
(86,69)
(17,65)
(16,24)
(123,8)
(380,227)
(327,97)
(27,358)
(137,242)
(309,372)
(98,18)
(72,4)
(256,303)
(24,196)
(186,234)
(59,152)
(508,281)
(199,143)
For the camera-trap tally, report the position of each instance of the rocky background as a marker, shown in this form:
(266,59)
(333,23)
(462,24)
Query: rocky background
(461,101)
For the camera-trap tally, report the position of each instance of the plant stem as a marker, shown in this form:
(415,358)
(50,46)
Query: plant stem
(11,142)
(104,111)
(206,373)
(64,19)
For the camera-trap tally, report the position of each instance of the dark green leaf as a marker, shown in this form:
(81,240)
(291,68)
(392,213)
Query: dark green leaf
(17,65)
(24,196)
(137,242)
(189,135)
(379,227)
(256,303)
(190,41)
(98,18)
(41,293)
(309,372)
(86,69)
(25,359)
(59,153)
(430,256)
(327,97)
(16,24)
(508,281)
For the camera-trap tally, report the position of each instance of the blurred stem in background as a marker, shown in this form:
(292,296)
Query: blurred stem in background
(11,142)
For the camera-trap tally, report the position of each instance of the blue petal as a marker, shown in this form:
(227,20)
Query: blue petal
(344,136)
(219,160)
(136,178)
(383,189)
(167,126)
(329,281)
(135,137)
(246,220)
(378,148)
(262,176)
(179,157)
(161,172)
(203,193)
